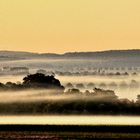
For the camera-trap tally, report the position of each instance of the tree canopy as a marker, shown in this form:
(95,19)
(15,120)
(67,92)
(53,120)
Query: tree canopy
(42,81)
(35,81)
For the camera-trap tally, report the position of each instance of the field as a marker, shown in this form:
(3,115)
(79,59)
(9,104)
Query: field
(57,132)
(63,135)
(120,75)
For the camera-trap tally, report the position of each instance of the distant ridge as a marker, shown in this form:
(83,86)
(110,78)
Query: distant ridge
(108,53)
(135,53)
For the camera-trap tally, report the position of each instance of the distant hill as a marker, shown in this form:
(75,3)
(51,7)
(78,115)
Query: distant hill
(105,54)
(130,54)
(17,55)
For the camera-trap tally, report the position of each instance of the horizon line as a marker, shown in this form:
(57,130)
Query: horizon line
(108,50)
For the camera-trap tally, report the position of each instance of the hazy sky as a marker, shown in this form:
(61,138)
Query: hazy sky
(69,25)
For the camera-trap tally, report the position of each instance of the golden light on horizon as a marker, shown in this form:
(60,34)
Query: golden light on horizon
(75,25)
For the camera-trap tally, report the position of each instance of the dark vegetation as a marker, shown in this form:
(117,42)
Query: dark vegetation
(133,84)
(94,73)
(34,81)
(98,101)
(78,106)
(78,132)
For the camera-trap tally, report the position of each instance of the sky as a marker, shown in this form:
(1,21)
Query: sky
(59,26)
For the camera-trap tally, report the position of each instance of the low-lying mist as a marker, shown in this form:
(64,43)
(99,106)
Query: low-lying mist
(113,83)
(31,95)
(41,101)
(42,95)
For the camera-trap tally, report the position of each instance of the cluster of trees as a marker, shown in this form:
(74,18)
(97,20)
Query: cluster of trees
(113,85)
(90,105)
(97,93)
(98,101)
(100,73)
(35,81)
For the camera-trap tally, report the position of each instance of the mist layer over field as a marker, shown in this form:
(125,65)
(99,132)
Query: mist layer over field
(30,96)
(126,91)
(122,84)
(85,75)
(122,92)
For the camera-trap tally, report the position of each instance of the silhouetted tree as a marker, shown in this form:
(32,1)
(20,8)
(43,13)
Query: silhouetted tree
(69,85)
(90,85)
(138,99)
(117,73)
(2,86)
(73,91)
(81,86)
(105,94)
(87,92)
(125,74)
(134,73)
(39,80)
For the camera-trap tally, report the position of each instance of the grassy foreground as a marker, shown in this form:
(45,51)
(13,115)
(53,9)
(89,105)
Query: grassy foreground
(67,132)
(62,135)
